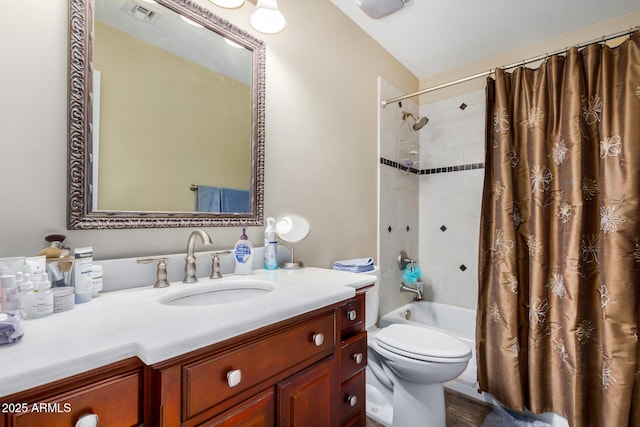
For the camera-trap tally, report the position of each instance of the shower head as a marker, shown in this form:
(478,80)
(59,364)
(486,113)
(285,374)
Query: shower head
(418,122)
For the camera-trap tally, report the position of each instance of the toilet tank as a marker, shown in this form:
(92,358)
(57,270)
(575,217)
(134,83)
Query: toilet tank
(372,300)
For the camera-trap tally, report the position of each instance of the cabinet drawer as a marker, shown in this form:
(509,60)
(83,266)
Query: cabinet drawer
(353,356)
(352,316)
(116,401)
(352,398)
(210,381)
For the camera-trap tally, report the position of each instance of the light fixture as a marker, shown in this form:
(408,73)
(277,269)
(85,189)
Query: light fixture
(377,9)
(228,4)
(267,18)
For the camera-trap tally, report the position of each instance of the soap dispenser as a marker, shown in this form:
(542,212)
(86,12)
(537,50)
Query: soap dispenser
(243,254)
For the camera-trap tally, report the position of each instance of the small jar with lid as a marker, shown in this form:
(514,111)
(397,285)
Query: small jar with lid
(63,298)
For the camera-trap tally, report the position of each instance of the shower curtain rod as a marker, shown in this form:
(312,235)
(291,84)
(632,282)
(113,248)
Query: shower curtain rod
(602,39)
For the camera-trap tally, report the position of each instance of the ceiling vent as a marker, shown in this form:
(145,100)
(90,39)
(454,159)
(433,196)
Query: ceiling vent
(140,12)
(377,9)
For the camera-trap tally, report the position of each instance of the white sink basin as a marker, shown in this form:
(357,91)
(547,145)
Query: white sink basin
(215,293)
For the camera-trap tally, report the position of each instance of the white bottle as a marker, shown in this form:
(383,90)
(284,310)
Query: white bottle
(9,291)
(96,276)
(270,245)
(26,298)
(44,296)
(82,274)
(243,254)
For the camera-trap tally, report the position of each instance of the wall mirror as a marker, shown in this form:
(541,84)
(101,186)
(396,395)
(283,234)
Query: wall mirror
(166,117)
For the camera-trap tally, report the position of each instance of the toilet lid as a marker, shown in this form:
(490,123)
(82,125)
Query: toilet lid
(422,343)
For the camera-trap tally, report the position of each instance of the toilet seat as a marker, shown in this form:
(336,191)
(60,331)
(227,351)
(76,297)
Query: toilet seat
(422,343)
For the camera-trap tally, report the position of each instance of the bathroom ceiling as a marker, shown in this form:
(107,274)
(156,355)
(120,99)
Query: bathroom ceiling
(430,37)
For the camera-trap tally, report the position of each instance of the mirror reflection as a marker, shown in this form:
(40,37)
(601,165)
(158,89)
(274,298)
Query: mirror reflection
(174,96)
(173,132)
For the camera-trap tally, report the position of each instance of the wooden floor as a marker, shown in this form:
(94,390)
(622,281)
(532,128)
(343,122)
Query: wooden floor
(462,411)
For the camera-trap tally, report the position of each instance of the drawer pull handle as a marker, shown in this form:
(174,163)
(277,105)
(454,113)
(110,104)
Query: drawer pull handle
(89,420)
(352,315)
(234,377)
(357,358)
(352,400)
(318,339)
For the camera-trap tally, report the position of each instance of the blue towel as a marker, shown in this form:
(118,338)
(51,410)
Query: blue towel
(356,265)
(208,199)
(232,200)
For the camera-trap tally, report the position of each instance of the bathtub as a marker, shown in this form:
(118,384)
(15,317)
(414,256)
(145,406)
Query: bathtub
(457,321)
(460,322)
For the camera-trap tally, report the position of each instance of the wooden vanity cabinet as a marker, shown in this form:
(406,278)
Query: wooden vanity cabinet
(352,357)
(114,393)
(266,377)
(303,372)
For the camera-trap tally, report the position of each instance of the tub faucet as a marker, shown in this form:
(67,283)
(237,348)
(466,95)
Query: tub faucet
(416,290)
(190,260)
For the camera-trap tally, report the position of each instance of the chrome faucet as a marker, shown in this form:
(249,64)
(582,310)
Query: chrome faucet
(190,260)
(416,290)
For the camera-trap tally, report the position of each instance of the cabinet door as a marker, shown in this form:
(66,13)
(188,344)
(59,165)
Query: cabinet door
(259,411)
(305,399)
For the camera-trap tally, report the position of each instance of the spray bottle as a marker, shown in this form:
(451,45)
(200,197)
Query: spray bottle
(270,245)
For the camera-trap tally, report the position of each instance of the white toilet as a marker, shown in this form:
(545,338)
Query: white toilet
(407,366)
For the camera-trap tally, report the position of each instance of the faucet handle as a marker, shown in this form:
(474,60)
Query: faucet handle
(161,274)
(215,264)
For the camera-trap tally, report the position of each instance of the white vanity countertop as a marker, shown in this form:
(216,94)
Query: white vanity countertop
(122,324)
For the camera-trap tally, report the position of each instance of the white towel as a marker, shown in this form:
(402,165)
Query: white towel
(356,265)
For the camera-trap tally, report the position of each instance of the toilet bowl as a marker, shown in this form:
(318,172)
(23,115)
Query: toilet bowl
(407,366)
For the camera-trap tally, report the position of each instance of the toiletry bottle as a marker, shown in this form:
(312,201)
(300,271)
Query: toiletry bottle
(9,292)
(96,276)
(82,274)
(243,254)
(270,245)
(25,298)
(44,296)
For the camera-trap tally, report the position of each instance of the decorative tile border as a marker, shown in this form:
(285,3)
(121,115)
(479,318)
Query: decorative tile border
(457,168)
(467,167)
(397,165)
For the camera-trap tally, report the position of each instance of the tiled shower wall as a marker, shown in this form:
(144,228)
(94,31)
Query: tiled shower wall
(432,211)
(450,194)
(398,210)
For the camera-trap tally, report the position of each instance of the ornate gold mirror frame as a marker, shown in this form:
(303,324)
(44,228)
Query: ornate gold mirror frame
(80,213)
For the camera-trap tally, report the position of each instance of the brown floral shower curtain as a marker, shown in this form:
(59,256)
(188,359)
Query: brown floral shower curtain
(559,273)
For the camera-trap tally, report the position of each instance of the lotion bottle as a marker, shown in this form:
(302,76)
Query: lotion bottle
(270,245)
(82,271)
(26,298)
(243,254)
(44,296)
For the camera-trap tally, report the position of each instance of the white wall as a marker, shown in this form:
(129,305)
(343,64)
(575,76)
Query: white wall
(321,134)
